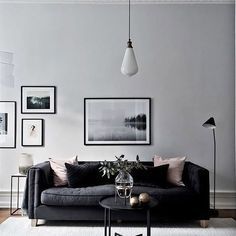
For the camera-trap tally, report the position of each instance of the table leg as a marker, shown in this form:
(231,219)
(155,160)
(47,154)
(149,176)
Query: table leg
(105,221)
(11,198)
(18,189)
(148,223)
(109,221)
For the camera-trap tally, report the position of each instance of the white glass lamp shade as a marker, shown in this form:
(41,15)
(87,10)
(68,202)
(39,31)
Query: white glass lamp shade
(129,65)
(6,57)
(6,74)
(6,69)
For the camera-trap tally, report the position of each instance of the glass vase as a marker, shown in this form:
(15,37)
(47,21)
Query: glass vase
(124,184)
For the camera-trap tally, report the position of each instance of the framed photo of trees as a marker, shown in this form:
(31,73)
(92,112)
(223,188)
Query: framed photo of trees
(117,121)
(38,99)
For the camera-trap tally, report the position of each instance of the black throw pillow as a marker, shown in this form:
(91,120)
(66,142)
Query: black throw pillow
(103,180)
(82,175)
(151,176)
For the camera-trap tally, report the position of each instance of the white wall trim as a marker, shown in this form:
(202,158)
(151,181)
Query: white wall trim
(5,198)
(224,199)
(118,1)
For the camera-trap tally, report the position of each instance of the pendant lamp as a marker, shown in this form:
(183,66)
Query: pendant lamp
(129,65)
(6,69)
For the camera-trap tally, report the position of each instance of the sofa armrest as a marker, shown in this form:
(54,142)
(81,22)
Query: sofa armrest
(46,172)
(39,179)
(197,178)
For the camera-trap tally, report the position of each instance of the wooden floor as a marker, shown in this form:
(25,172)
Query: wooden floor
(227,214)
(5,213)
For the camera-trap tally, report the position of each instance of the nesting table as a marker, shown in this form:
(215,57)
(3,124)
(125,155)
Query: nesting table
(18,177)
(117,204)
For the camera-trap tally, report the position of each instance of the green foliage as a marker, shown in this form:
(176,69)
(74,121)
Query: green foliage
(109,168)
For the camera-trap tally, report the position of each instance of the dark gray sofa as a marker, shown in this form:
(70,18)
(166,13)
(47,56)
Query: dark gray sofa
(43,201)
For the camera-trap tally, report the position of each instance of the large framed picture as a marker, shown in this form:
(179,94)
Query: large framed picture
(32,132)
(7,124)
(38,99)
(117,121)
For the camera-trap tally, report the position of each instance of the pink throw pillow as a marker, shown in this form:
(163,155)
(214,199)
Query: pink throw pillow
(59,170)
(175,170)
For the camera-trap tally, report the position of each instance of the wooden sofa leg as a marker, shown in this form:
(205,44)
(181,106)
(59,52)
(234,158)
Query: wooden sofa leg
(34,222)
(204,223)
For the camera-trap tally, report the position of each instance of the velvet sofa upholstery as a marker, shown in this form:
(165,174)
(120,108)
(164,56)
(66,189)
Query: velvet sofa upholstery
(44,201)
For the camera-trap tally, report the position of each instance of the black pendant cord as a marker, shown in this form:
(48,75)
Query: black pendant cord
(129,20)
(129,43)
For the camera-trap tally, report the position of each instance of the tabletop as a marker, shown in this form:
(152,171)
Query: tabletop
(117,203)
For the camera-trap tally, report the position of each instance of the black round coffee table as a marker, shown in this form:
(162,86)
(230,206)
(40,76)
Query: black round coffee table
(117,204)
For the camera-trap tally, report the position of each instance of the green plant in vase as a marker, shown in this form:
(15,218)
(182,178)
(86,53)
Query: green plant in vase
(124,180)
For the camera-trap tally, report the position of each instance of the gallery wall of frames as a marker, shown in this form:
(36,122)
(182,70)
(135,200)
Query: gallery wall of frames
(107,121)
(38,100)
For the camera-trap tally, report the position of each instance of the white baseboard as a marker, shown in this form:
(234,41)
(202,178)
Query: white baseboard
(224,199)
(5,199)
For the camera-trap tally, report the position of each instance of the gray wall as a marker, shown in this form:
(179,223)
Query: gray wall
(186,65)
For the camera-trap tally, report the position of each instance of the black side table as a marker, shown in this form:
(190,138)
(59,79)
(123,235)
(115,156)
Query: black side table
(17,176)
(117,204)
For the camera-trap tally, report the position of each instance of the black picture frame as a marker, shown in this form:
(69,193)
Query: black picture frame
(36,139)
(117,110)
(8,108)
(38,99)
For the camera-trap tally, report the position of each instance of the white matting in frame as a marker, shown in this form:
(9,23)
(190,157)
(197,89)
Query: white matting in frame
(7,124)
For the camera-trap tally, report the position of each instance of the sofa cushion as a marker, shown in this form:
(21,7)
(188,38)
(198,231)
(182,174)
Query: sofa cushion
(90,196)
(86,174)
(170,197)
(176,166)
(82,175)
(151,176)
(64,196)
(59,170)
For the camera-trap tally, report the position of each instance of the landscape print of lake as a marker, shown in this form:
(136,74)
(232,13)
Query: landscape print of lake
(117,121)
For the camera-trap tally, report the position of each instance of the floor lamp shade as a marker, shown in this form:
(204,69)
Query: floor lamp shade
(210,123)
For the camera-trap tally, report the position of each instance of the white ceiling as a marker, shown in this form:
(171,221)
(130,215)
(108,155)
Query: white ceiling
(122,1)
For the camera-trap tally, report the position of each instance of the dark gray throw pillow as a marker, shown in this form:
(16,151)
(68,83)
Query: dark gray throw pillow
(151,176)
(82,175)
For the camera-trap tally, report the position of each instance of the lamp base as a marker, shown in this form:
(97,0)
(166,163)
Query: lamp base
(214,213)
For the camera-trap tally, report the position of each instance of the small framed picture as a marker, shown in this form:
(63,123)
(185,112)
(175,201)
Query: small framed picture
(117,121)
(32,132)
(38,99)
(7,124)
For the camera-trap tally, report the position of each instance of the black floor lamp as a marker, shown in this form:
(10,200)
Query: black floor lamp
(210,124)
